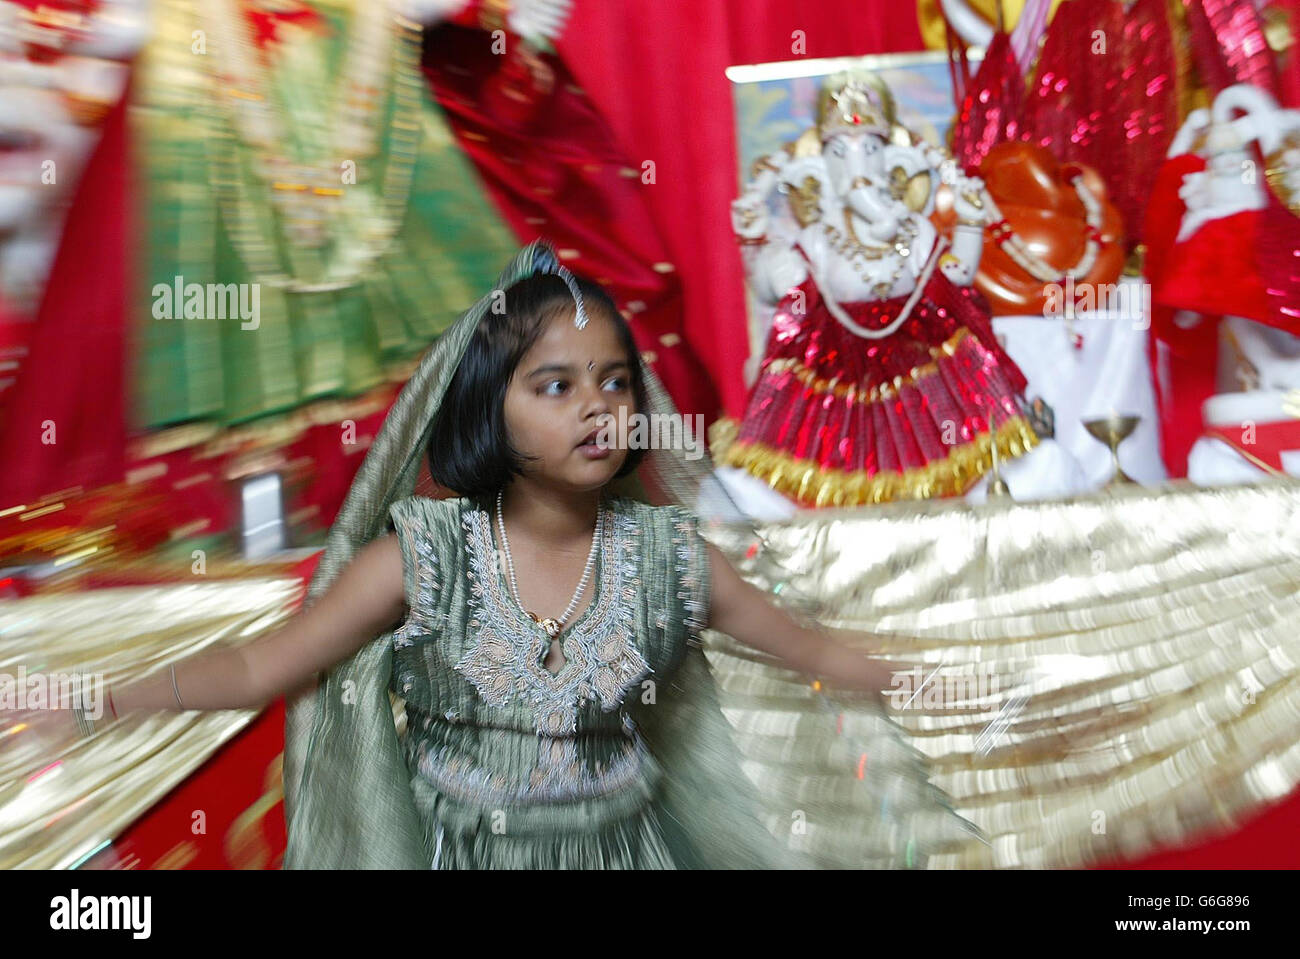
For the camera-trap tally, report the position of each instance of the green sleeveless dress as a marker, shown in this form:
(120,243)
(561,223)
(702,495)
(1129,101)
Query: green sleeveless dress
(512,766)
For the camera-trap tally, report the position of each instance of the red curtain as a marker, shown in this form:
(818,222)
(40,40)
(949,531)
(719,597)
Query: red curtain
(73,376)
(656,71)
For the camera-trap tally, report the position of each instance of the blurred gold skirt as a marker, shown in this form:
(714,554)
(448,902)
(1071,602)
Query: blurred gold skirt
(1103,676)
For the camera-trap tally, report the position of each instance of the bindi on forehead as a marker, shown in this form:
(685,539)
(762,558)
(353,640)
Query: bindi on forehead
(609,365)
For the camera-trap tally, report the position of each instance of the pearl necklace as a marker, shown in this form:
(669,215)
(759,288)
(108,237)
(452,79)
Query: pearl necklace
(853,249)
(552,626)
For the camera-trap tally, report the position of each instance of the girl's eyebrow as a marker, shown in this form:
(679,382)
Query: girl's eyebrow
(565,368)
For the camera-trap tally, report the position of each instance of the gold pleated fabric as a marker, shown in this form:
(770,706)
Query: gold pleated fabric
(1103,676)
(63,797)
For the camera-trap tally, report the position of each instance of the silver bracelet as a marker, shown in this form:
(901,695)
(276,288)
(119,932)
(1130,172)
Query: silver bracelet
(175,690)
(85,725)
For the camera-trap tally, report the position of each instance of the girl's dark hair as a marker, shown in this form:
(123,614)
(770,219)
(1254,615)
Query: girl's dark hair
(474,457)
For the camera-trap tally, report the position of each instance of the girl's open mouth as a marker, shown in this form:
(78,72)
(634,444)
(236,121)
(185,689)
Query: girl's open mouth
(591,448)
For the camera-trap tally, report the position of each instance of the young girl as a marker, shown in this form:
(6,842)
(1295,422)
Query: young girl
(540,627)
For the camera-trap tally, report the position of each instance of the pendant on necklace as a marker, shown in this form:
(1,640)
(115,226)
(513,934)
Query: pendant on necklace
(551,626)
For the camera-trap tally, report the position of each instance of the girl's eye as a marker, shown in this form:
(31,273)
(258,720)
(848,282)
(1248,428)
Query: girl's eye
(559,387)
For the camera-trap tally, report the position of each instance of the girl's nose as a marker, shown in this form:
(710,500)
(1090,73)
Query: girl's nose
(595,401)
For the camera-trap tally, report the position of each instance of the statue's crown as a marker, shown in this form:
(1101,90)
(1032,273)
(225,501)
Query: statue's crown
(858,102)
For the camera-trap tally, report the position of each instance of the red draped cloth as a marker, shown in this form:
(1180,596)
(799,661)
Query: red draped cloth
(14,332)
(1182,359)
(1105,93)
(1288,61)
(551,166)
(1229,44)
(989,112)
(73,375)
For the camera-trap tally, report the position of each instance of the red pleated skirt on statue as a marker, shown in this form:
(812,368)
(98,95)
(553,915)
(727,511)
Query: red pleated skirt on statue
(836,419)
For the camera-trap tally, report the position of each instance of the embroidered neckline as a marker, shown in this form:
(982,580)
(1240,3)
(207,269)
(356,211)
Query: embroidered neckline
(601,656)
(518,617)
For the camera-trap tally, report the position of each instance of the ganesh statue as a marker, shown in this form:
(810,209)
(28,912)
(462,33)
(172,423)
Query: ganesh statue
(881,378)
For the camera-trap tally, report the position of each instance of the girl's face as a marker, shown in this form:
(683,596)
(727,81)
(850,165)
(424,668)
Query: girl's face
(566,388)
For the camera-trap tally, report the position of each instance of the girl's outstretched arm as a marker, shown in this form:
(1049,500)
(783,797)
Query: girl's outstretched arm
(745,613)
(366,599)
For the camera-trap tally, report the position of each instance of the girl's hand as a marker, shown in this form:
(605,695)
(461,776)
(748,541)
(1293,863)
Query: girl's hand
(366,599)
(847,667)
(748,615)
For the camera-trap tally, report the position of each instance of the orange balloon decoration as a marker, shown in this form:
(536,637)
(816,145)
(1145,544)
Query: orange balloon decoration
(1038,200)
